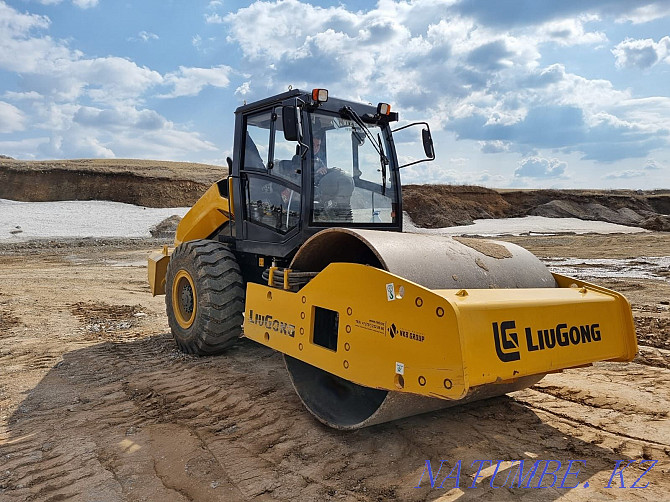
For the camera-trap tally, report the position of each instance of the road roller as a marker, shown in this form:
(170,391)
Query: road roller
(300,248)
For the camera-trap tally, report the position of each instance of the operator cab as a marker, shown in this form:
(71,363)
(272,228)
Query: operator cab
(307,162)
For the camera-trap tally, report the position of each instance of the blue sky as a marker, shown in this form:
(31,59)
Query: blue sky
(519,93)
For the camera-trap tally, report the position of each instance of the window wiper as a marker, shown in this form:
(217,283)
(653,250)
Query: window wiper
(383,159)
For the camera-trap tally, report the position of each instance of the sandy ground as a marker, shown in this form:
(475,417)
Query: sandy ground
(97,404)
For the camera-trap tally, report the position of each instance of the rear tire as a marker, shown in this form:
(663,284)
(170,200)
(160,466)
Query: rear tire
(204,297)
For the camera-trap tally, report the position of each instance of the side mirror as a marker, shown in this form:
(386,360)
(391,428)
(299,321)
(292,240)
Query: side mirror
(427,140)
(290,116)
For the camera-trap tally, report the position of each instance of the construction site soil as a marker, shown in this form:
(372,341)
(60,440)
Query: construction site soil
(96,402)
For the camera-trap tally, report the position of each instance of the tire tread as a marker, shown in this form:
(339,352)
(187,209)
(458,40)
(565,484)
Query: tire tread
(220,297)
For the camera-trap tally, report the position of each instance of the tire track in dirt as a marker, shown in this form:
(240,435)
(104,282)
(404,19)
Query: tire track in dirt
(652,356)
(142,419)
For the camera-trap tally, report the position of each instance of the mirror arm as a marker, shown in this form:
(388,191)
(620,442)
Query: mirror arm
(416,162)
(428,157)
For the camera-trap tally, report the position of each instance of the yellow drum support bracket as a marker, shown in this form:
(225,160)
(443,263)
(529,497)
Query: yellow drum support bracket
(379,330)
(156,270)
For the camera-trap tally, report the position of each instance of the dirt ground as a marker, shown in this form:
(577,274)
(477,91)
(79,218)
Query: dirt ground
(96,403)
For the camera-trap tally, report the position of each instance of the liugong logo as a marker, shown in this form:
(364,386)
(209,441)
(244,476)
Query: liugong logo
(507,341)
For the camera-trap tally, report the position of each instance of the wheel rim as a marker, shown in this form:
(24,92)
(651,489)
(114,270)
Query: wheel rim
(184,299)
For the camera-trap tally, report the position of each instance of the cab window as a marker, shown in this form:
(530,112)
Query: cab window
(349,186)
(272,204)
(286,161)
(257,141)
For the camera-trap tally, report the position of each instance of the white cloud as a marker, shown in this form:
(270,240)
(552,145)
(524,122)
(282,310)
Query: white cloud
(628,174)
(650,112)
(90,107)
(539,167)
(386,51)
(85,4)
(652,165)
(495,146)
(569,31)
(121,78)
(213,17)
(11,118)
(432,173)
(81,131)
(190,81)
(482,81)
(122,118)
(14,24)
(22,96)
(243,89)
(49,67)
(645,13)
(23,149)
(143,36)
(82,4)
(641,54)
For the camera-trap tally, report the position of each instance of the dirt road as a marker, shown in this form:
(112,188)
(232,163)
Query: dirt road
(97,404)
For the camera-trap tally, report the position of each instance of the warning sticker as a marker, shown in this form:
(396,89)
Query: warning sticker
(390,292)
(400,368)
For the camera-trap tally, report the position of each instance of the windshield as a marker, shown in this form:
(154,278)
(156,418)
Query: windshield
(347,173)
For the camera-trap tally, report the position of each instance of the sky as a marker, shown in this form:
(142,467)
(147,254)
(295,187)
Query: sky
(518,93)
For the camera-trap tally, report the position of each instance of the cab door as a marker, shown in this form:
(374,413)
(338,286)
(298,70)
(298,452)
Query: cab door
(270,172)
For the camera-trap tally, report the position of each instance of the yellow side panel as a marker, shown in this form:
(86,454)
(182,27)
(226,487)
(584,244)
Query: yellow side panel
(209,213)
(396,335)
(374,333)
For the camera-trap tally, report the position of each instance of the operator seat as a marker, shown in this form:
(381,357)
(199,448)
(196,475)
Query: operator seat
(333,196)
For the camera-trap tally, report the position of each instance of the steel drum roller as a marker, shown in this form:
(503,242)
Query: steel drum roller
(432,261)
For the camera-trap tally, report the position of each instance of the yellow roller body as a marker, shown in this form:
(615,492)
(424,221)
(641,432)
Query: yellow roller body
(395,335)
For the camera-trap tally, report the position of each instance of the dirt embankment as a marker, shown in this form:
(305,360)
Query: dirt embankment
(435,206)
(438,206)
(177,184)
(635,208)
(141,182)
